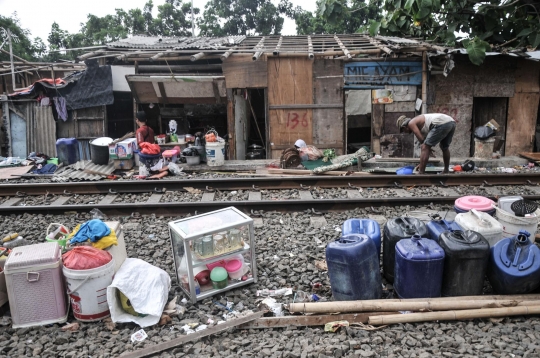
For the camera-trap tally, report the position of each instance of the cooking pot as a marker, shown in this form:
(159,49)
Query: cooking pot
(99,150)
(253,155)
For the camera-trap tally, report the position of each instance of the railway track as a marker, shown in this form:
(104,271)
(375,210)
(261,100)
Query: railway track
(155,201)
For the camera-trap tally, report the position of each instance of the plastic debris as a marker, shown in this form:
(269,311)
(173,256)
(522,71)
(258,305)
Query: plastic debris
(97,214)
(274,306)
(72,327)
(201,327)
(334,326)
(274,293)
(165,319)
(139,336)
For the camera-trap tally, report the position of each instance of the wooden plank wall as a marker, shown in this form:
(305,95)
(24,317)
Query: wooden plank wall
(329,123)
(243,72)
(523,109)
(290,82)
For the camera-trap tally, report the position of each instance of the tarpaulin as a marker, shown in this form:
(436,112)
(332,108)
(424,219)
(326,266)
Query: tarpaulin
(89,88)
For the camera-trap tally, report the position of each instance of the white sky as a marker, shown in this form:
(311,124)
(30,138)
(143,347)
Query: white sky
(38,16)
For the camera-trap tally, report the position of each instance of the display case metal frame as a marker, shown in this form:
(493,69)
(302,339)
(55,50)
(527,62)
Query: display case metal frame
(187,240)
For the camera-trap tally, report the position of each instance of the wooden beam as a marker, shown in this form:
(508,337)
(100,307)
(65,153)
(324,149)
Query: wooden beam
(197,56)
(228,53)
(156,348)
(306,321)
(311,56)
(306,106)
(259,47)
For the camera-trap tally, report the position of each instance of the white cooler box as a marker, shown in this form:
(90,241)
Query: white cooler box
(36,291)
(118,252)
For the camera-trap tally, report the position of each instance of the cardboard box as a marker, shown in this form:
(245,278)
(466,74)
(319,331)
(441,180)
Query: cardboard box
(123,164)
(493,125)
(123,149)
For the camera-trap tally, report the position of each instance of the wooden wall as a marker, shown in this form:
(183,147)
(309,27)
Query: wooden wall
(290,84)
(523,108)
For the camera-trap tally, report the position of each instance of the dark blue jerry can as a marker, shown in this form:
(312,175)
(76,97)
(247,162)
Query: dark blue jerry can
(367,227)
(436,227)
(67,150)
(514,265)
(353,267)
(465,263)
(395,230)
(419,268)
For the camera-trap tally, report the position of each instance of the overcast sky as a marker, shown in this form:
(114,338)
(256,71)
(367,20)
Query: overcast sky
(38,16)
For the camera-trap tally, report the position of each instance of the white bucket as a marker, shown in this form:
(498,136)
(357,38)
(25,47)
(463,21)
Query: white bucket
(215,153)
(87,291)
(512,224)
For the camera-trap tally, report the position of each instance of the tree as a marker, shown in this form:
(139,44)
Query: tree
(21,43)
(349,21)
(483,24)
(243,17)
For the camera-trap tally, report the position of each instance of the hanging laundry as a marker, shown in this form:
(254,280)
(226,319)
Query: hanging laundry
(60,103)
(45,101)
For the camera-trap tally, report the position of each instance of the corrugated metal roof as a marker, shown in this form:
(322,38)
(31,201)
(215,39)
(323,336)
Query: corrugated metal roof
(76,172)
(175,43)
(397,40)
(531,55)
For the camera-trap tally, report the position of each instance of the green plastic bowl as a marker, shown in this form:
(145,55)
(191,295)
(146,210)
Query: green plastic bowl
(219,278)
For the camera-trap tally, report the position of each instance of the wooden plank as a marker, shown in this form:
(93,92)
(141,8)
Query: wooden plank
(305,195)
(532,156)
(377,120)
(154,198)
(305,106)
(310,320)
(328,129)
(289,82)
(255,196)
(243,72)
(61,200)
(397,145)
(231,125)
(521,123)
(12,201)
(108,199)
(208,196)
(145,92)
(376,145)
(156,348)
(12,172)
(527,76)
(399,107)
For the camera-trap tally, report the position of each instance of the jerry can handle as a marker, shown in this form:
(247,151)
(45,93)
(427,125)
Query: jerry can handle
(418,241)
(405,224)
(482,220)
(35,274)
(459,235)
(504,255)
(528,262)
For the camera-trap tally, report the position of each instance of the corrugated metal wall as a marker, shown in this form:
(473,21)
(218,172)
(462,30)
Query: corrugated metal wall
(42,131)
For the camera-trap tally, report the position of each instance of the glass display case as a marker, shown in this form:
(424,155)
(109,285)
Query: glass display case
(213,252)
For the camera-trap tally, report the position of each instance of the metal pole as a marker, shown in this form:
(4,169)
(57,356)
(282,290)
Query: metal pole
(192,20)
(11,59)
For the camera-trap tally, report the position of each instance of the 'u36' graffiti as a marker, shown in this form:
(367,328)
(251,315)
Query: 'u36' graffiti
(294,120)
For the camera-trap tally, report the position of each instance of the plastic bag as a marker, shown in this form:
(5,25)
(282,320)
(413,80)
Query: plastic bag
(85,258)
(312,152)
(483,132)
(147,288)
(175,169)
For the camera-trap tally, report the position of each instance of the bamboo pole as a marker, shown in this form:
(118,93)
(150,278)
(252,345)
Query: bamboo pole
(453,315)
(361,306)
(366,306)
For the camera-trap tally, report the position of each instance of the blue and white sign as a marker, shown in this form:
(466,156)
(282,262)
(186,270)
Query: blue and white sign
(374,74)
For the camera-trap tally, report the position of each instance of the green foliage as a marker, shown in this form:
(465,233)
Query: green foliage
(513,23)
(336,17)
(243,17)
(22,45)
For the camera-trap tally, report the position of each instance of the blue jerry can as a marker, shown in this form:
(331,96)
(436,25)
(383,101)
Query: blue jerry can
(397,229)
(514,265)
(419,268)
(367,227)
(67,150)
(436,227)
(353,267)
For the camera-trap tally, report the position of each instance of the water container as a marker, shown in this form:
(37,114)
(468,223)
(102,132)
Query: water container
(419,268)
(465,262)
(514,265)
(395,230)
(368,227)
(480,203)
(436,227)
(482,223)
(67,150)
(353,267)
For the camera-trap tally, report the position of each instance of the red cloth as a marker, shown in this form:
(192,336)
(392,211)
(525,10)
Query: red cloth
(149,148)
(145,134)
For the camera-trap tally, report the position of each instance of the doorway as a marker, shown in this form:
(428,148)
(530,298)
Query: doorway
(358,112)
(486,109)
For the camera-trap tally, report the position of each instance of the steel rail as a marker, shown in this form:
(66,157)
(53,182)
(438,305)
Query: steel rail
(180,208)
(267,183)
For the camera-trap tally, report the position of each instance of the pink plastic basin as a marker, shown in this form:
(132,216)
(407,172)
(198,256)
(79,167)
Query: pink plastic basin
(477,202)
